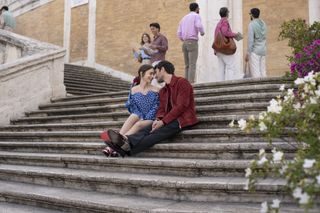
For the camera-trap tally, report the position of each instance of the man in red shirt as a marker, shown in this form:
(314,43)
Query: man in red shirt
(176,112)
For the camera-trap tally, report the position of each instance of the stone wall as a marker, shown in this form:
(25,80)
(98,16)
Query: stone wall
(120,24)
(44,23)
(274,13)
(79,33)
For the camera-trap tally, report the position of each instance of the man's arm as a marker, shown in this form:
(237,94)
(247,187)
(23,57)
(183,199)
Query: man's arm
(199,25)
(179,32)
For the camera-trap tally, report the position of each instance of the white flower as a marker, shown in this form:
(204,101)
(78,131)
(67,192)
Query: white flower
(262,160)
(261,152)
(277,156)
(264,207)
(246,186)
(317,92)
(308,163)
(318,179)
(306,88)
(274,107)
(297,106)
(262,115)
(297,192)
(242,124)
(248,172)
(299,81)
(282,87)
(304,198)
(276,204)
(313,100)
(262,126)
(283,169)
(231,124)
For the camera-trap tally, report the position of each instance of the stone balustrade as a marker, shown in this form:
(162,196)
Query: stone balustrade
(31,73)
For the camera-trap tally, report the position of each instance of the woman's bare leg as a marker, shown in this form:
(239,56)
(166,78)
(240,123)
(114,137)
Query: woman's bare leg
(138,126)
(129,123)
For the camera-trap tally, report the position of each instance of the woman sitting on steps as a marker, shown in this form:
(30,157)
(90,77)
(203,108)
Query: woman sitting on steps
(143,103)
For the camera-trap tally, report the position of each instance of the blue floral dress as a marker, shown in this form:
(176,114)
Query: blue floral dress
(144,106)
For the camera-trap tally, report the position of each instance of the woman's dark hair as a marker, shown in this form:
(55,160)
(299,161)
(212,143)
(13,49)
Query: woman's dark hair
(156,25)
(223,12)
(143,69)
(193,6)
(168,66)
(145,34)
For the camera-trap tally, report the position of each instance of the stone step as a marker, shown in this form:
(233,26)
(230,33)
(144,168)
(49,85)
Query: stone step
(95,84)
(213,151)
(199,96)
(90,90)
(179,188)
(18,208)
(205,122)
(71,200)
(78,93)
(192,136)
(200,101)
(155,166)
(92,82)
(246,81)
(218,109)
(116,94)
(92,78)
(221,119)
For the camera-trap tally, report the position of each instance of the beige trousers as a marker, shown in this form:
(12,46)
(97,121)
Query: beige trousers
(190,54)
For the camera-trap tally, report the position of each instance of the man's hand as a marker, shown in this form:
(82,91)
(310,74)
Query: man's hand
(156,125)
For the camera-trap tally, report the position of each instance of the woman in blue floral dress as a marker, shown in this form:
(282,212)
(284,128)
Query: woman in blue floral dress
(143,103)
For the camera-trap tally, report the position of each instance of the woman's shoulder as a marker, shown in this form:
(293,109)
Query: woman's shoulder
(154,89)
(135,89)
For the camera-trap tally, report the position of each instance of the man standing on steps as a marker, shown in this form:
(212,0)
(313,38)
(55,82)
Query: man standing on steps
(159,43)
(7,20)
(176,112)
(257,36)
(188,31)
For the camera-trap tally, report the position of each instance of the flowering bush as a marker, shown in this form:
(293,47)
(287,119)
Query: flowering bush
(295,115)
(306,60)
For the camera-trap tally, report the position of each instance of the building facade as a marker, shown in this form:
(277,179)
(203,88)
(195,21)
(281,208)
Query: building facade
(101,33)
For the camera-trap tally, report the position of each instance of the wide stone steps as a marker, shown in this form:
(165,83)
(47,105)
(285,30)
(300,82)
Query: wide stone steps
(81,89)
(204,122)
(94,81)
(192,136)
(213,151)
(218,109)
(72,200)
(105,86)
(201,189)
(18,208)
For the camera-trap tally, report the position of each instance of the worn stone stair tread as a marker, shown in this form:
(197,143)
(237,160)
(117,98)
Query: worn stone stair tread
(130,161)
(19,208)
(183,147)
(211,107)
(152,180)
(102,202)
(83,97)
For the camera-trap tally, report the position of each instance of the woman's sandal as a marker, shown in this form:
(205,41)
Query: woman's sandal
(109,152)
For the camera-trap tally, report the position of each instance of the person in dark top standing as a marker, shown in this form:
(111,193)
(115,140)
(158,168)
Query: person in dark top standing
(176,112)
(159,43)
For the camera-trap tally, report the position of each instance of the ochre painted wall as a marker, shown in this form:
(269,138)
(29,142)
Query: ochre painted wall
(44,23)
(79,33)
(274,13)
(121,23)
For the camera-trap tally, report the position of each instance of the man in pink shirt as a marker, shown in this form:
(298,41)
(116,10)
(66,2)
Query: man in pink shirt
(188,30)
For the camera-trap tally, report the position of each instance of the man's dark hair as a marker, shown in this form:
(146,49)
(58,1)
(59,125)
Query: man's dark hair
(168,66)
(156,25)
(193,6)
(223,12)
(5,8)
(255,12)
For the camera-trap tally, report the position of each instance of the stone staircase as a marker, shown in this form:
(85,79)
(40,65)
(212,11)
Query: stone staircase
(81,80)
(52,157)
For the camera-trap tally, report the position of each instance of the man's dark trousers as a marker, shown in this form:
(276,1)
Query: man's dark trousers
(143,140)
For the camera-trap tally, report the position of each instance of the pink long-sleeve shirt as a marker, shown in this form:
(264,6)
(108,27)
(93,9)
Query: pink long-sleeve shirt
(190,26)
(224,26)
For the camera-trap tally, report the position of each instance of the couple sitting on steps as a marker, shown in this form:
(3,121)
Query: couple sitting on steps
(154,115)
